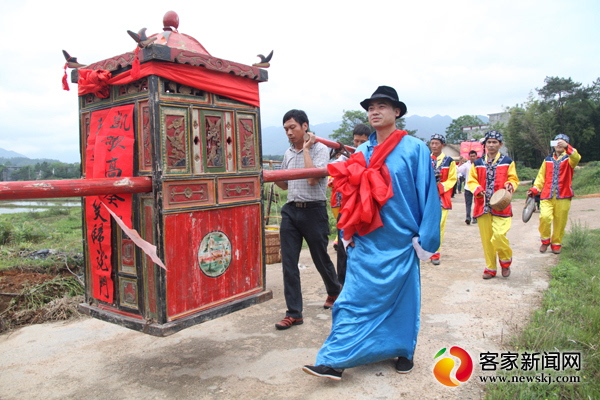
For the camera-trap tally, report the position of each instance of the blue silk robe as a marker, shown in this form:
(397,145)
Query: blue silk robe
(376,316)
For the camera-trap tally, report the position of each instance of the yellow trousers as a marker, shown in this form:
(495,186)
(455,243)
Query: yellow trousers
(554,212)
(493,231)
(442,227)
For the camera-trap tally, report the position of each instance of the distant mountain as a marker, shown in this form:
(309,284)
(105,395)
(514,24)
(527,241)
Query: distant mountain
(23,161)
(10,154)
(275,142)
(427,126)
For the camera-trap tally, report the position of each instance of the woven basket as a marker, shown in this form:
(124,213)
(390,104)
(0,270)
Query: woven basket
(272,247)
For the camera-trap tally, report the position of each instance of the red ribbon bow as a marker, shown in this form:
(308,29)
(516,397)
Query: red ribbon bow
(94,81)
(364,189)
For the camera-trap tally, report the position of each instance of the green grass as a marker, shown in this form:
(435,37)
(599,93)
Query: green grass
(586,179)
(568,320)
(525,173)
(24,233)
(53,300)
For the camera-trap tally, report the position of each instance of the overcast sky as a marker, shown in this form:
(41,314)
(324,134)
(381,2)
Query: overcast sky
(443,57)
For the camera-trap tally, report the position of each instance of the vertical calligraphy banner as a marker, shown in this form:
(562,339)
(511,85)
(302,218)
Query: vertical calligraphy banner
(113,156)
(109,155)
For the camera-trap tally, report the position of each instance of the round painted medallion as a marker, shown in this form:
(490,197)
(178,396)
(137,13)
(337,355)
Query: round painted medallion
(214,254)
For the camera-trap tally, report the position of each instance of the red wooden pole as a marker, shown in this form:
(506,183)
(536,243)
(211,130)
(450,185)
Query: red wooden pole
(291,174)
(73,188)
(334,145)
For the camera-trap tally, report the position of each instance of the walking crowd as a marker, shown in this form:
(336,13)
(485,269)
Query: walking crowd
(391,199)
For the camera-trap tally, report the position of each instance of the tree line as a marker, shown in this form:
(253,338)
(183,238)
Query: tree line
(40,171)
(560,106)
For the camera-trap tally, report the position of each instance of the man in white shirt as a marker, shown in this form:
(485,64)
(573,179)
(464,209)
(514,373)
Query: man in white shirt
(464,169)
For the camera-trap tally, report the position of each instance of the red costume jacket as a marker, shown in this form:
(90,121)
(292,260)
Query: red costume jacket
(561,179)
(505,172)
(447,169)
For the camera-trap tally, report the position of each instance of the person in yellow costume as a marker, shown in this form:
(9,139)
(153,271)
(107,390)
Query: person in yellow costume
(553,182)
(445,175)
(488,174)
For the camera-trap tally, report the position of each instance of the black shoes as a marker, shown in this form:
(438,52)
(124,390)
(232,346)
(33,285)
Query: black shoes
(323,371)
(468,221)
(404,365)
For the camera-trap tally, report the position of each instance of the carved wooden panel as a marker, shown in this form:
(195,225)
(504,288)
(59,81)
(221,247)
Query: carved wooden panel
(197,142)
(91,100)
(144,137)
(247,142)
(217,64)
(179,194)
(238,189)
(132,89)
(128,293)
(85,133)
(174,140)
(172,90)
(213,141)
(127,255)
(147,219)
(230,142)
(227,102)
(114,63)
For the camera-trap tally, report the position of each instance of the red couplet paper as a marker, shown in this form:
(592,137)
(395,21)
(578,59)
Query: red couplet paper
(109,155)
(113,156)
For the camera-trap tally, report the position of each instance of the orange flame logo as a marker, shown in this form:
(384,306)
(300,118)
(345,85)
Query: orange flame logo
(444,369)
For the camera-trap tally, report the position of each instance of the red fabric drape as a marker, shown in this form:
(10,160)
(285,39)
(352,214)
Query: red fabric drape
(364,189)
(135,67)
(96,82)
(228,85)
(65,84)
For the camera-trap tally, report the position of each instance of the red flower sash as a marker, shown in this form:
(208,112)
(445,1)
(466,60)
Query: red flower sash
(364,189)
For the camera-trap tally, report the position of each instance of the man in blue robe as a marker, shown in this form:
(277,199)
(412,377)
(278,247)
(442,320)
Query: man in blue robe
(395,222)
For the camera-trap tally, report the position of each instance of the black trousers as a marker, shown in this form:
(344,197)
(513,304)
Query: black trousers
(311,224)
(468,203)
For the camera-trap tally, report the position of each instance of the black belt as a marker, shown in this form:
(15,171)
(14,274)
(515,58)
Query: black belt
(308,204)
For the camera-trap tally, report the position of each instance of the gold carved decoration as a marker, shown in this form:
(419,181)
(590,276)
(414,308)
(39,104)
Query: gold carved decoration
(188,193)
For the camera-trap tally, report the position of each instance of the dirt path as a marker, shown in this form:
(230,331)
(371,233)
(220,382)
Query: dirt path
(242,355)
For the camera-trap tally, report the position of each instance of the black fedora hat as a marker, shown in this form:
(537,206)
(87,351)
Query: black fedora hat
(385,92)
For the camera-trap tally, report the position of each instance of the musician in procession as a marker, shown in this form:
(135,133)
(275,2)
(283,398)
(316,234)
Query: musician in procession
(553,182)
(490,173)
(445,174)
